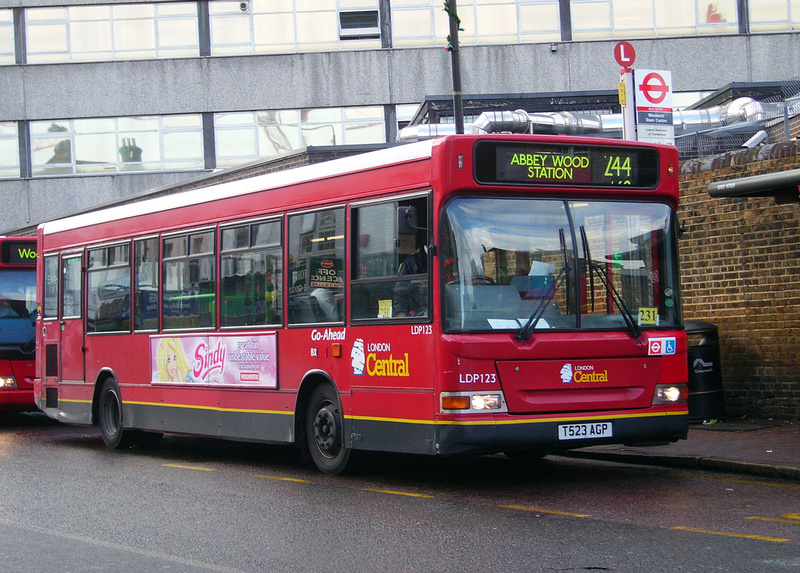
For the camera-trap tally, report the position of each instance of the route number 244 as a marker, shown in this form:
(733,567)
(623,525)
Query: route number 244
(619,168)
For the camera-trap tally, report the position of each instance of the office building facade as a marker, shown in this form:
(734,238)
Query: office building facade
(104,100)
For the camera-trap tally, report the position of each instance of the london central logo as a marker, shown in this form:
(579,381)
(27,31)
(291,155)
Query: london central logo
(566,373)
(582,374)
(377,359)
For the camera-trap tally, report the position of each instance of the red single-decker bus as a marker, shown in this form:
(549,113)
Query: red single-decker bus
(496,293)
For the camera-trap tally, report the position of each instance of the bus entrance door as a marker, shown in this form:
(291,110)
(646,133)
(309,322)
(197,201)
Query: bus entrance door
(71,336)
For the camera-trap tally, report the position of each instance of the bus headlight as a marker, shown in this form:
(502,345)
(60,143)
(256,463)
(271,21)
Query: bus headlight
(473,402)
(486,402)
(671,394)
(7,382)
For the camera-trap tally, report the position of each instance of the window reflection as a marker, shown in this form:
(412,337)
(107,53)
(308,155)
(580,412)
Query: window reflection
(6,37)
(9,150)
(316,267)
(247,136)
(774,15)
(170,29)
(251,275)
(113,145)
(269,26)
(580,264)
(419,23)
(595,19)
(111,32)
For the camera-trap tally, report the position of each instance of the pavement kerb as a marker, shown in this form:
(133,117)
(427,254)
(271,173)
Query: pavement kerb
(691,462)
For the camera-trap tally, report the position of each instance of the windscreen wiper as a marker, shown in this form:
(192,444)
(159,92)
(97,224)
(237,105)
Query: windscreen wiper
(627,316)
(525,332)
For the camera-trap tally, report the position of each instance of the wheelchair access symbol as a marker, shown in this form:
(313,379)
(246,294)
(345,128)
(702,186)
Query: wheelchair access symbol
(661,346)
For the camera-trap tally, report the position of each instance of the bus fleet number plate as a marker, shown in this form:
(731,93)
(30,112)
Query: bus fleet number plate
(585,431)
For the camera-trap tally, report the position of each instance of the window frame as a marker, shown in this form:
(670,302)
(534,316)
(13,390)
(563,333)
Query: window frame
(251,248)
(136,286)
(306,237)
(69,258)
(356,257)
(91,324)
(187,256)
(51,265)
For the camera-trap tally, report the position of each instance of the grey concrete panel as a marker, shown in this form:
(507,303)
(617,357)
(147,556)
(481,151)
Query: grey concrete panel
(775,57)
(526,68)
(16,205)
(34,201)
(12,94)
(114,89)
(375,77)
(298,81)
(704,63)
(415,73)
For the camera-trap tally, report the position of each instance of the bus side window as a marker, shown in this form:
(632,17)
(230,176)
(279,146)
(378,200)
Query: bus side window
(50,303)
(189,290)
(316,267)
(390,270)
(71,287)
(145,284)
(251,275)
(108,284)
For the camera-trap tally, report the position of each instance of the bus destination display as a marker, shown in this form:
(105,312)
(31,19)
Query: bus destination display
(18,253)
(565,165)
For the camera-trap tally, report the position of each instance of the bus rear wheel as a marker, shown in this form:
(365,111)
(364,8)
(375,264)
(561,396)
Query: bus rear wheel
(325,431)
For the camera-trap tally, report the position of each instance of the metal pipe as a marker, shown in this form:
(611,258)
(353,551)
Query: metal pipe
(569,123)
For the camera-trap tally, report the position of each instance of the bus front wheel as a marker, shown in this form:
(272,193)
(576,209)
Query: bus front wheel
(325,431)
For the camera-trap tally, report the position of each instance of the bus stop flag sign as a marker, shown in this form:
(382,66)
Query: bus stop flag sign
(654,106)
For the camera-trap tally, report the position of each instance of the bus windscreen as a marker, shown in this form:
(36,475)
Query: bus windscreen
(512,163)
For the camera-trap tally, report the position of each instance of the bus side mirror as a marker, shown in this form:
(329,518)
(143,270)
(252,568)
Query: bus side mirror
(407,220)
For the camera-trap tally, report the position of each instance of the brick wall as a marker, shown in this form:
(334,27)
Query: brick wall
(740,266)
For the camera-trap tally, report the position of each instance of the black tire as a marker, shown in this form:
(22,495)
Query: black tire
(109,414)
(110,419)
(325,431)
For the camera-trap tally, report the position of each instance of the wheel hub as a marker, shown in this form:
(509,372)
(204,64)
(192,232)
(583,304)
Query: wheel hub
(325,431)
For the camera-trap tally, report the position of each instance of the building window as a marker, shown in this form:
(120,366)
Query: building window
(539,21)
(774,15)
(7,38)
(604,19)
(283,26)
(405,113)
(247,136)
(416,23)
(9,149)
(424,23)
(361,25)
(116,145)
(111,32)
